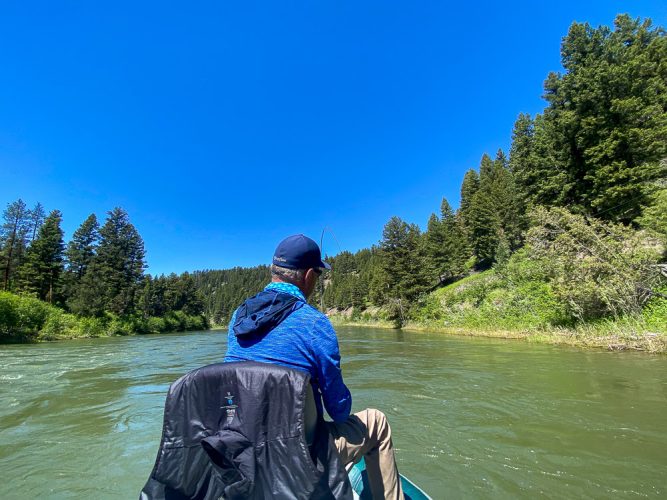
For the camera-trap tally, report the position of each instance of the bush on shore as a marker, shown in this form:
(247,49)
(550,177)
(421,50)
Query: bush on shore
(21,318)
(575,274)
(24,319)
(487,301)
(573,271)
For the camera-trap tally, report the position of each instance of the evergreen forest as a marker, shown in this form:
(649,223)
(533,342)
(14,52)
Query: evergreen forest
(567,228)
(94,285)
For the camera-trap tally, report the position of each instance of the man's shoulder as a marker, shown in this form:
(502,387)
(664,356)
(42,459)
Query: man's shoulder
(314,311)
(312,315)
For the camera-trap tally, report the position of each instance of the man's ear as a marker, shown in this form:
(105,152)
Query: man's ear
(309,281)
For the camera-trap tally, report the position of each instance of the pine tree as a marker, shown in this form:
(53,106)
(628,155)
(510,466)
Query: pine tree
(487,172)
(522,160)
(469,187)
(654,216)
(359,290)
(459,242)
(147,298)
(484,227)
(377,279)
(37,215)
(495,211)
(79,256)
(180,294)
(114,278)
(434,243)
(445,245)
(605,128)
(455,242)
(81,248)
(403,260)
(416,281)
(395,253)
(41,272)
(502,253)
(88,297)
(13,239)
(508,201)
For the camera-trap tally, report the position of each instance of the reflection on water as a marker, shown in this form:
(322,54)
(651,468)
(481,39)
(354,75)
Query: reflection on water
(471,418)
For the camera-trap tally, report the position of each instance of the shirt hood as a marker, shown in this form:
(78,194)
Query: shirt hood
(263,312)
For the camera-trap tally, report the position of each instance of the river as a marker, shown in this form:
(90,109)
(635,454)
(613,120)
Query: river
(471,417)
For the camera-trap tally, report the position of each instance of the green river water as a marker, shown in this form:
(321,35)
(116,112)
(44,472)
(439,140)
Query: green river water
(471,418)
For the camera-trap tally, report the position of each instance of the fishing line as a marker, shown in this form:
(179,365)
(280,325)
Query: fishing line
(327,228)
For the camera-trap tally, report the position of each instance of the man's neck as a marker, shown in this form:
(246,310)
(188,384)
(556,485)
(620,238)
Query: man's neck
(275,279)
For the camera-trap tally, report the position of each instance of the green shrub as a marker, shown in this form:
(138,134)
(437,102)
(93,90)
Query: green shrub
(32,314)
(522,267)
(155,325)
(597,269)
(171,322)
(540,305)
(21,318)
(136,324)
(655,312)
(199,323)
(91,327)
(9,316)
(26,318)
(118,326)
(516,296)
(470,290)
(60,325)
(429,311)
(573,270)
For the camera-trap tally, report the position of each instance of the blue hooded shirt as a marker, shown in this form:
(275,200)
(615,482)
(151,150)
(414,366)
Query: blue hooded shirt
(278,326)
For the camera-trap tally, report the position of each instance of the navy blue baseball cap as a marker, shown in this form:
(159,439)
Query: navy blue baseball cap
(299,252)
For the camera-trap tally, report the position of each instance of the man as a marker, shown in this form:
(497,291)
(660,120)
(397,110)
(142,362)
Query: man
(279,326)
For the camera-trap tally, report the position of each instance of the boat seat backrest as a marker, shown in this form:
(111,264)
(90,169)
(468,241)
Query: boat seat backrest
(245,430)
(310,417)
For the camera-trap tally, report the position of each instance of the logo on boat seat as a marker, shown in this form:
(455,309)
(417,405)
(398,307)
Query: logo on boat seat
(230,408)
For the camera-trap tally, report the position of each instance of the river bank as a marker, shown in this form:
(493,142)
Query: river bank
(27,319)
(515,303)
(618,335)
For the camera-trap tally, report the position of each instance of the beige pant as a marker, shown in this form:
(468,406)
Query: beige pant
(367,434)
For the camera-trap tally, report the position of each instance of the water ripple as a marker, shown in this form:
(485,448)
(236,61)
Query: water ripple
(471,418)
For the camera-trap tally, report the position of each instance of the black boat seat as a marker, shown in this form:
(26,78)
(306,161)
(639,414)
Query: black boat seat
(245,430)
(310,417)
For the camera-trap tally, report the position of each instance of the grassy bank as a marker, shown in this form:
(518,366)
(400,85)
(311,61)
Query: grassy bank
(485,304)
(615,336)
(25,319)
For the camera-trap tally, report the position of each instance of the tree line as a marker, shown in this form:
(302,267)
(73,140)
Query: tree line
(99,272)
(597,152)
(594,159)
(222,291)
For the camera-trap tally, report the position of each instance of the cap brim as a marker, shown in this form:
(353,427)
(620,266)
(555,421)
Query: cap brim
(325,265)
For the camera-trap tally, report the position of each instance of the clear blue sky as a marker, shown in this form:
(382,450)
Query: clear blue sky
(222,127)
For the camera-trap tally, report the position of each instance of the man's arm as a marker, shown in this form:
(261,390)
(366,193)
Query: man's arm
(336,395)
